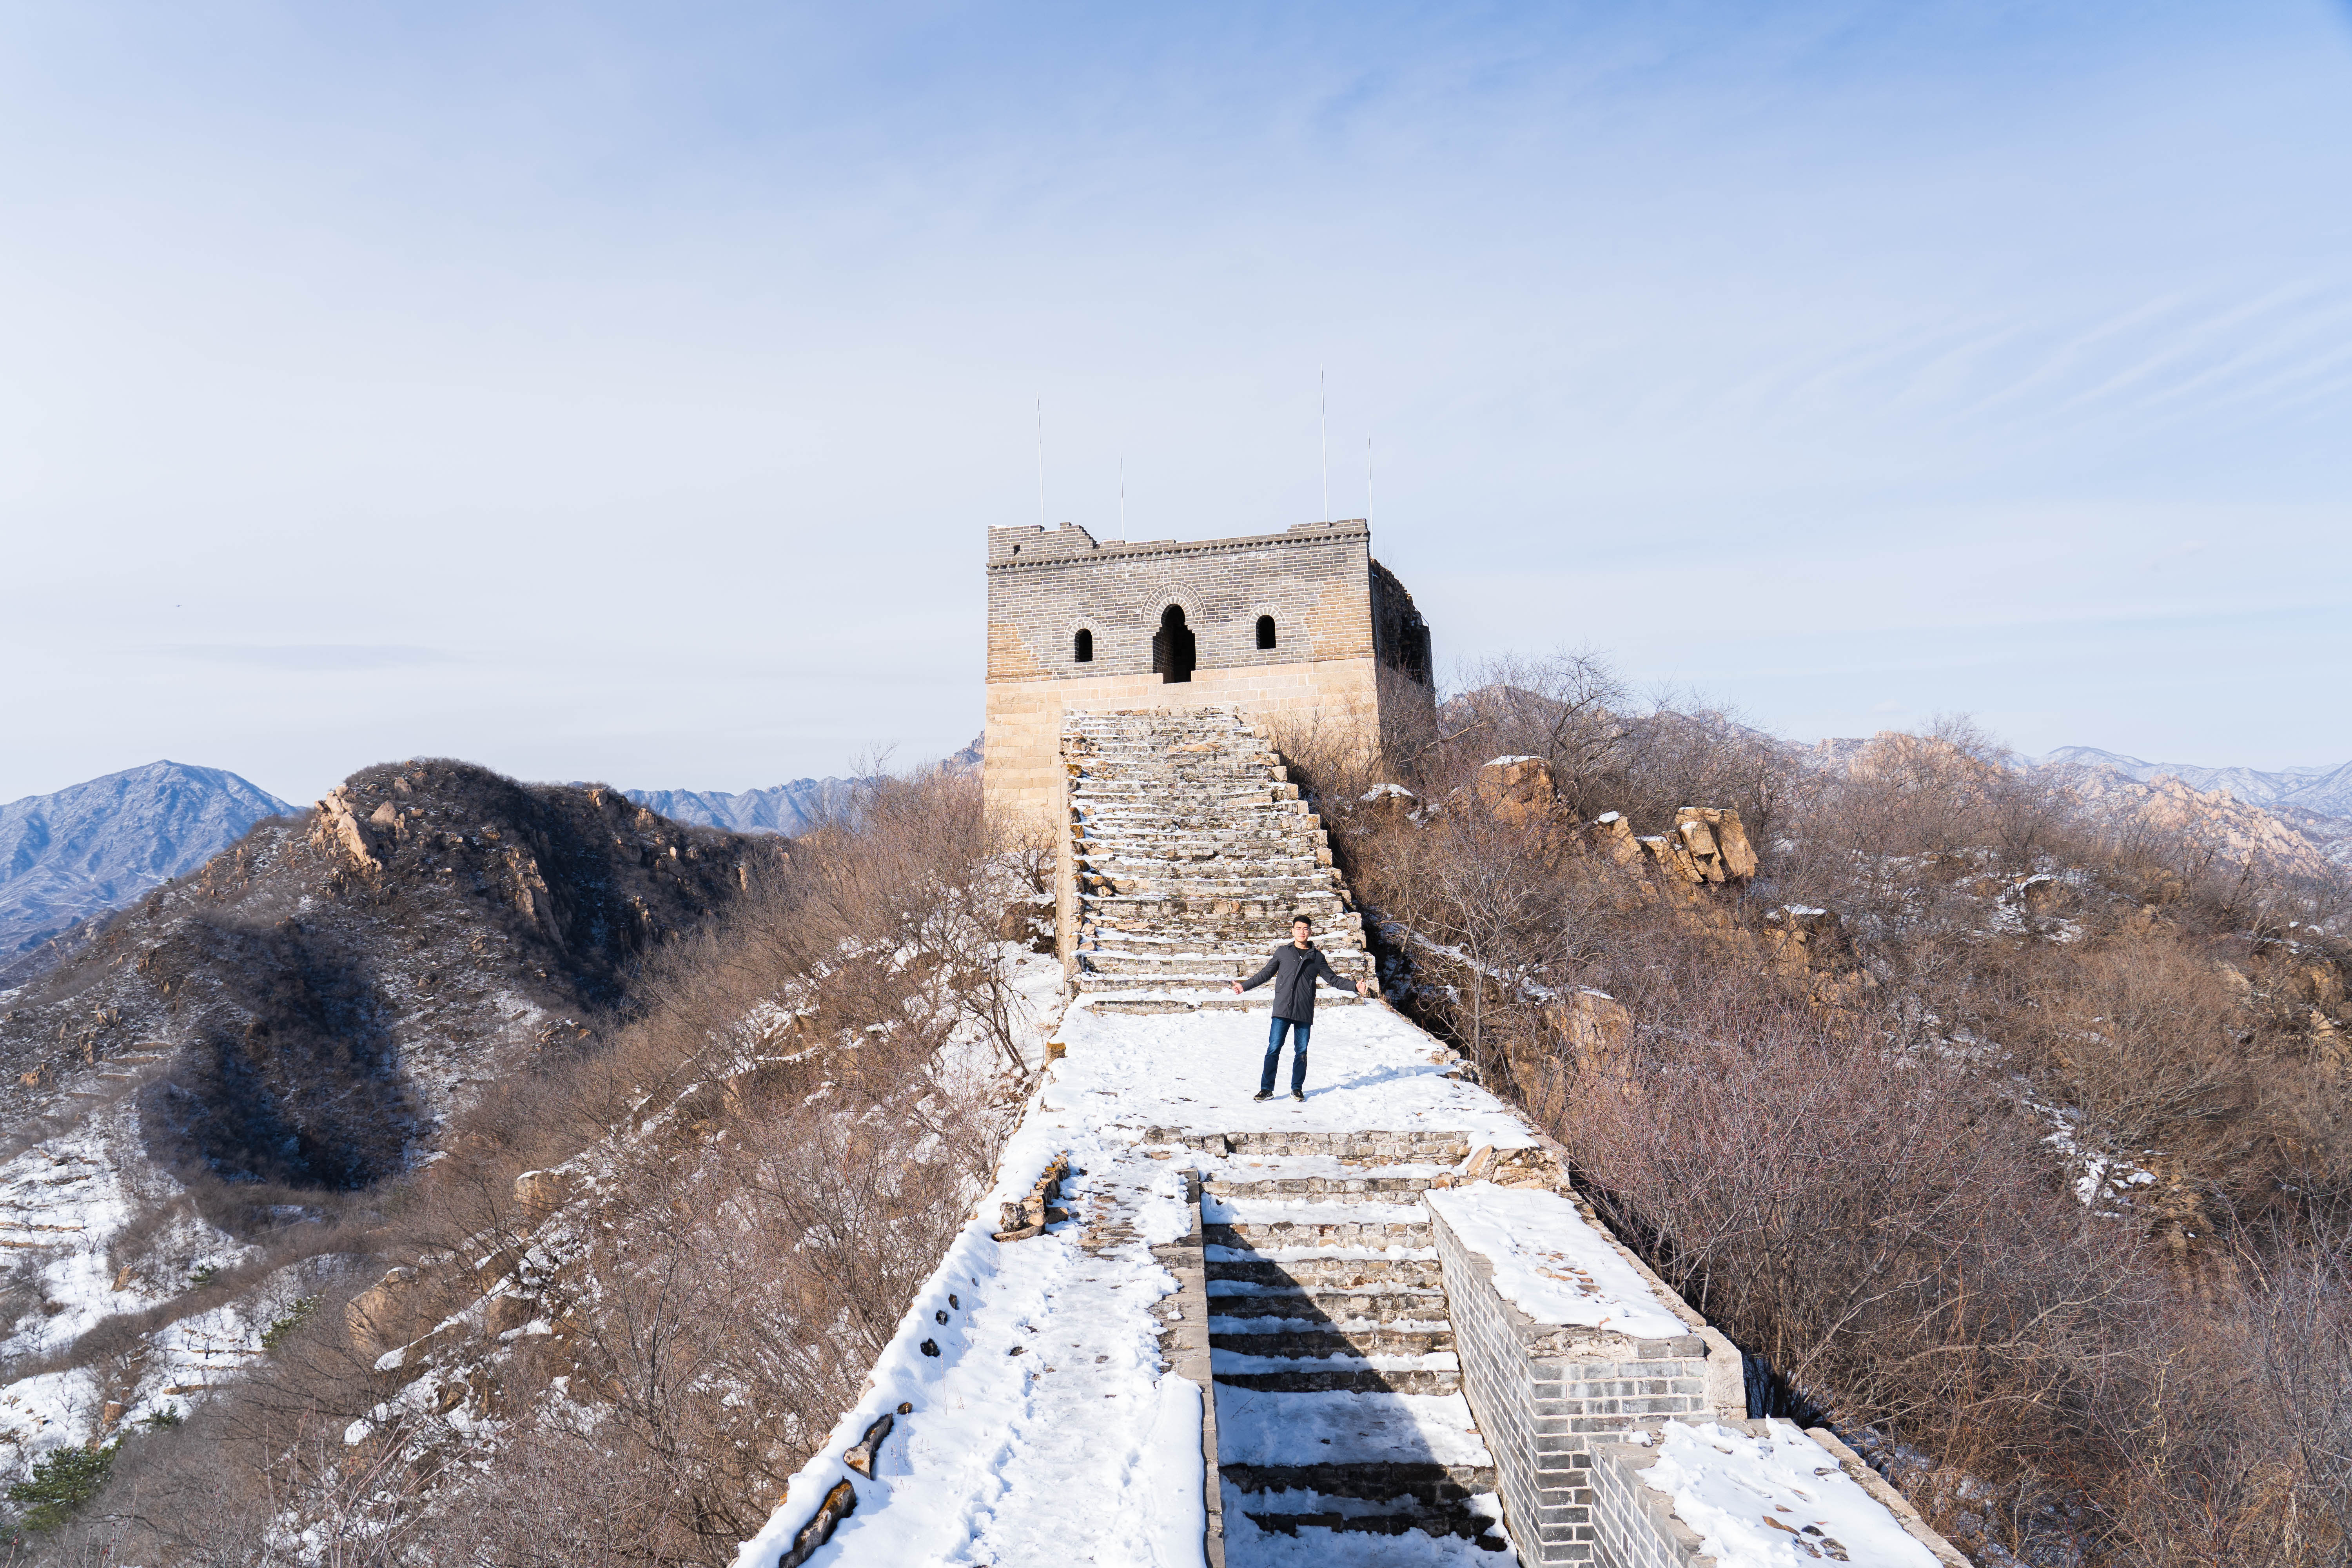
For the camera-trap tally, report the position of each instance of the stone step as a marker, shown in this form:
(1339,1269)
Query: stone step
(1317,1186)
(1234,815)
(1321,904)
(1140,1000)
(1210,865)
(1311,1343)
(1171,882)
(1099,771)
(1209,987)
(1179,791)
(1431,1484)
(1214,956)
(1326,1272)
(1287,1301)
(1459,1522)
(1307,1231)
(1346,1380)
(1371,1146)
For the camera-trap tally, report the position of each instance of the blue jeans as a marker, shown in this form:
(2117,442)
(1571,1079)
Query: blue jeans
(1274,1055)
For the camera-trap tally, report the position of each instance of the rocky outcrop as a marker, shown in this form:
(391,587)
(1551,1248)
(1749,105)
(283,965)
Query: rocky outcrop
(336,828)
(1517,790)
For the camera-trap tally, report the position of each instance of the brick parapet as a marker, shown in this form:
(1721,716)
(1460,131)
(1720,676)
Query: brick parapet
(1543,1395)
(1638,1527)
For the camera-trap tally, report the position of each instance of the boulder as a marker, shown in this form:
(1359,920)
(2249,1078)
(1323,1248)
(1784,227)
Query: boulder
(1612,836)
(539,1194)
(1717,843)
(374,1316)
(1518,789)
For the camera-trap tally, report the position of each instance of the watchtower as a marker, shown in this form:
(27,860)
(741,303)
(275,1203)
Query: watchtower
(1301,626)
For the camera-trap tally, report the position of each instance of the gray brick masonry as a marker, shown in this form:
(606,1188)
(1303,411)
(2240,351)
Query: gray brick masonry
(1543,1395)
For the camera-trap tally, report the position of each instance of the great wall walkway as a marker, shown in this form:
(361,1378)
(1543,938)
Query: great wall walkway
(1374,1328)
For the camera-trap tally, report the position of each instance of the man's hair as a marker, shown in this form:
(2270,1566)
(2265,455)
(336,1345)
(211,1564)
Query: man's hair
(1302,920)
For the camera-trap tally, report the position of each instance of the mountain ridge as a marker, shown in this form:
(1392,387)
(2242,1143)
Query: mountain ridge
(94,846)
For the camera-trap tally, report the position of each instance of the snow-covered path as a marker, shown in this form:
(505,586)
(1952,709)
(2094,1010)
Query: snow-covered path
(1063,1452)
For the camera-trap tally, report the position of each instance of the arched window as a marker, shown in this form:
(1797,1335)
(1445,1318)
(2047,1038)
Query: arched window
(1171,646)
(1265,631)
(1082,647)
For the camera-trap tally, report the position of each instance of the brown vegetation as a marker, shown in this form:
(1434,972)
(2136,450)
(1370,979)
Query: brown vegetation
(2026,1163)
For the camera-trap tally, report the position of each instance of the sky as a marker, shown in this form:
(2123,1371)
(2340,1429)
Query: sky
(623,393)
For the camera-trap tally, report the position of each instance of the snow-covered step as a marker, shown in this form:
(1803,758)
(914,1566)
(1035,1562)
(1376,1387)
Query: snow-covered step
(1381,1301)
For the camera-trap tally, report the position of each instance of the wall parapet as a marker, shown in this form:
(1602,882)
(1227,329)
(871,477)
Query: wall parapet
(1545,1394)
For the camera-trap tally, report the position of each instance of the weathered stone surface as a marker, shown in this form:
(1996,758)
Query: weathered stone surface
(338,828)
(539,1194)
(1518,789)
(869,1448)
(374,1317)
(505,1314)
(838,1504)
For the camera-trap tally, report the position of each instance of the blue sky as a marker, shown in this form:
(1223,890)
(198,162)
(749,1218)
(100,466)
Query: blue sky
(623,393)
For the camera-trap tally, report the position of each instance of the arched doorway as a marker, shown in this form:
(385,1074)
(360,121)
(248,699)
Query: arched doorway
(1171,646)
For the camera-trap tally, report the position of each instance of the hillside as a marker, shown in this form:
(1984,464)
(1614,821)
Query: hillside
(238,1061)
(99,845)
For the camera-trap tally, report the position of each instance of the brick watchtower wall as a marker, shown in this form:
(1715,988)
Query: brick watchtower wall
(1346,638)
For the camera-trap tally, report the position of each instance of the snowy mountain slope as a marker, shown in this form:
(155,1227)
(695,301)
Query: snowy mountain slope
(193,1097)
(99,845)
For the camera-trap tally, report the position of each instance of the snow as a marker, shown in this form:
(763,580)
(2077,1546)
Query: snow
(1082,1448)
(1551,1264)
(1292,1211)
(1314,1546)
(1727,1485)
(1506,761)
(1345,1428)
(1369,1067)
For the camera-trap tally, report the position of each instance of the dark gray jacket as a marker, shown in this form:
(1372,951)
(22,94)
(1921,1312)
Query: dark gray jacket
(1294,973)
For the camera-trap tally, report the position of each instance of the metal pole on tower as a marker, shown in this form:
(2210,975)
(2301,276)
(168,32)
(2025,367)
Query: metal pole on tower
(1368,480)
(1323,390)
(1122,497)
(1041,462)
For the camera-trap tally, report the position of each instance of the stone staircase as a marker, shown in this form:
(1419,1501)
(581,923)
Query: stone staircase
(1192,851)
(1339,1402)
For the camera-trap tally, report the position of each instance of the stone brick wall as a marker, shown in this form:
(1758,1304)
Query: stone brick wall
(1337,616)
(1543,1395)
(1636,1527)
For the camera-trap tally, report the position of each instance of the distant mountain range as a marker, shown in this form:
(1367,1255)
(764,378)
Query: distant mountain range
(2327,791)
(786,808)
(97,845)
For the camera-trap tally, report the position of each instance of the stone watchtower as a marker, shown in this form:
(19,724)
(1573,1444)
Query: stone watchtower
(1303,628)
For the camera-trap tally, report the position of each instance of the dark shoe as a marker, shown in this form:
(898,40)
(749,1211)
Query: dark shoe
(1299,1095)
(1263,1094)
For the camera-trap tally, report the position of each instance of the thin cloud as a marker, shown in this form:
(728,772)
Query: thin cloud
(306,657)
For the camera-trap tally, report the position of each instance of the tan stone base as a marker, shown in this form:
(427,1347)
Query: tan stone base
(1021,769)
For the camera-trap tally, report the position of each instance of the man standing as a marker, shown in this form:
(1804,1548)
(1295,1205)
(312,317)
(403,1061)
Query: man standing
(1295,968)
